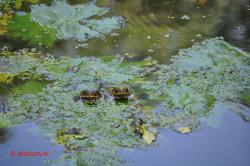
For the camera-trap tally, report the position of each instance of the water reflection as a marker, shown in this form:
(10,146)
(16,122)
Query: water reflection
(236,27)
(159,28)
(225,142)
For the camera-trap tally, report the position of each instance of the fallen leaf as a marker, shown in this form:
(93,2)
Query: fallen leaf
(147,136)
(184,130)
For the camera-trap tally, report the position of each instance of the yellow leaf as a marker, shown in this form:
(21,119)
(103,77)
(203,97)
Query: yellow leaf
(6,78)
(147,136)
(184,130)
(4,21)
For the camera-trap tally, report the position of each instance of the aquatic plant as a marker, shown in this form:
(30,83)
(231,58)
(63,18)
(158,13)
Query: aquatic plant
(23,27)
(200,75)
(76,22)
(25,65)
(103,128)
(188,89)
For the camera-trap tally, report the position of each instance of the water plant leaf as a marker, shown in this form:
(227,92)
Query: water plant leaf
(75,22)
(184,130)
(147,136)
(35,34)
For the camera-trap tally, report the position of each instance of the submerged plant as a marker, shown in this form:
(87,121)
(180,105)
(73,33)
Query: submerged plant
(76,22)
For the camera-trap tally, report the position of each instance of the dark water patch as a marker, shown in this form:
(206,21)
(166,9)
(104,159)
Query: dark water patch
(235,25)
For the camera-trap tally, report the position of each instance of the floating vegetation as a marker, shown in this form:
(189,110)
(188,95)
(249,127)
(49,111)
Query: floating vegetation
(76,22)
(23,27)
(147,136)
(187,89)
(23,65)
(98,129)
(184,130)
(198,76)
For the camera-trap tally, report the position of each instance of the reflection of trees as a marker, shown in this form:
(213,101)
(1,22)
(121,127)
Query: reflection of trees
(237,27)
(153,18)
(144,19)
(4,135)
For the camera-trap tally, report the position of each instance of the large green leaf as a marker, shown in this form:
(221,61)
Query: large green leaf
(23,27)
(77,21)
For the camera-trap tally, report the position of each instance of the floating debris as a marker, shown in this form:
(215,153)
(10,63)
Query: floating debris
(151,50)
(185,17)
(146,135)
(115,34)
(167,35)
(183,130)
(198,35)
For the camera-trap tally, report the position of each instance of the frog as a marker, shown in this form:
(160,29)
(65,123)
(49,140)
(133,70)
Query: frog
(120,93)
(88,96)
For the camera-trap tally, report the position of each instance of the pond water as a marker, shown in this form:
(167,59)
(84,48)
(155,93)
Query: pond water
(225,141)
(156,29)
